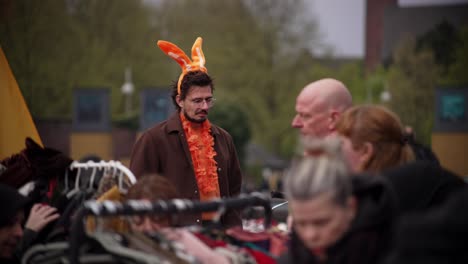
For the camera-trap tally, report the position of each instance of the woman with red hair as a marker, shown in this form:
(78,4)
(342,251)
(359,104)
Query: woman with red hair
(373,139)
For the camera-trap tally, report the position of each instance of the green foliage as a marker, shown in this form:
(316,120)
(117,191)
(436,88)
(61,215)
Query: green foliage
(352,74)
(254,174)
(439,57)
(442,40)
(232,118)
(129,121)
(375,83)
(33,41)
(456,74)
(257,51)
(253,54)
(450,48)
(54,46)
(412,79)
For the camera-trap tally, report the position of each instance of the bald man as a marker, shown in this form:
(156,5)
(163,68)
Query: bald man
(319,106)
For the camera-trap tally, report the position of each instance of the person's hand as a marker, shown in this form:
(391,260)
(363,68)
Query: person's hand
(40,216)
(194,246)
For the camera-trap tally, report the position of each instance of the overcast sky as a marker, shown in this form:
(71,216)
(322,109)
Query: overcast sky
(341,25)
(341,22)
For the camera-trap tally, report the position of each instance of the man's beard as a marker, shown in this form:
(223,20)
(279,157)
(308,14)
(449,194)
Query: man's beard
(198,121)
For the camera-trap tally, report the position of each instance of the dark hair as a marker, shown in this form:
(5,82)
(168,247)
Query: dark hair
(194,78)
(12,202)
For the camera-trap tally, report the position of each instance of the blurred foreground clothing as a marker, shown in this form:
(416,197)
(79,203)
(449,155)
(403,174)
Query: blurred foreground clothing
(422,152)
(437,236)
(370,234)
(421,185)
(34,163)
(13,205)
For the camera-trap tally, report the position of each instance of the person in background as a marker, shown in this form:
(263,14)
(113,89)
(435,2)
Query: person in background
(39,217)
(152,188)
(422,185)
(12,233)
(421,152)
(11,221)
(337,218)
(321,103)
(373,139)
(319,106)
(435,236)
(197,157)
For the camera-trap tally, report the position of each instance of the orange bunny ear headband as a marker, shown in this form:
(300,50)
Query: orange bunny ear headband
(198,63)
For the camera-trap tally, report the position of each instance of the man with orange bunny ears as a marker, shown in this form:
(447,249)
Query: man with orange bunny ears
(198,157)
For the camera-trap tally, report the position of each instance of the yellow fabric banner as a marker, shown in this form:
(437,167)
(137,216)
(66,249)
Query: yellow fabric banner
(15,120)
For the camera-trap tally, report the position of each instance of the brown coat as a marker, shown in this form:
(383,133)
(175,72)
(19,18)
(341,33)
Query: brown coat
(163,149)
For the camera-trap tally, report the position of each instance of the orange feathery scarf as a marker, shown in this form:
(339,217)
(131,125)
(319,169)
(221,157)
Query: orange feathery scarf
(201,146)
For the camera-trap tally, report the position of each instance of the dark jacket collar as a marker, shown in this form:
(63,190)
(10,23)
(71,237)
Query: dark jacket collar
(376,202)
(174,125)
(373,224)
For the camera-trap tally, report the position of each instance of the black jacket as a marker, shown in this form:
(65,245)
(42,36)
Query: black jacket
(437,236)
(369,237)
(422,185)
(422,152)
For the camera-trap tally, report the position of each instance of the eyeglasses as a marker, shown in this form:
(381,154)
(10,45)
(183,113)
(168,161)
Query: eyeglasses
(199,101)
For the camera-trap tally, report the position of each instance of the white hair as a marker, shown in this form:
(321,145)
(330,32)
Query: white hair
(323,171)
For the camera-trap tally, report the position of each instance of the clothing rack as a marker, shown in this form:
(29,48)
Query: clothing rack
(105,164)
(140,207)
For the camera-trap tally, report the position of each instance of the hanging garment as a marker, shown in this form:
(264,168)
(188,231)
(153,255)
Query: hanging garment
(112,243)
(157,245)
(273,243)
(117,223)
(207,253)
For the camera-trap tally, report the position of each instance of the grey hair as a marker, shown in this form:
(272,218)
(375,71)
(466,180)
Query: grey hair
(324,172)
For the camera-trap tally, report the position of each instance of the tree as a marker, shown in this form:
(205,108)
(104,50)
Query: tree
(230,117)
(257,52)
(411,80)
(456,74)
(442,40)
(34,44)
(56,45)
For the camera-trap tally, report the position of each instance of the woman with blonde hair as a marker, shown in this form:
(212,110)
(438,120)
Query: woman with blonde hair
(337,217)
(373,139)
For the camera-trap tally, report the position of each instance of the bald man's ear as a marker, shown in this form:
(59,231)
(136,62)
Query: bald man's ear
(333,119)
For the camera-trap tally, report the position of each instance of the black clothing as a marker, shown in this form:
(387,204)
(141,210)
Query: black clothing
(422,152)
(422,185)
(28,239)
(437,236)
(12,202)
(10,261)
(32,163)
(369,236)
